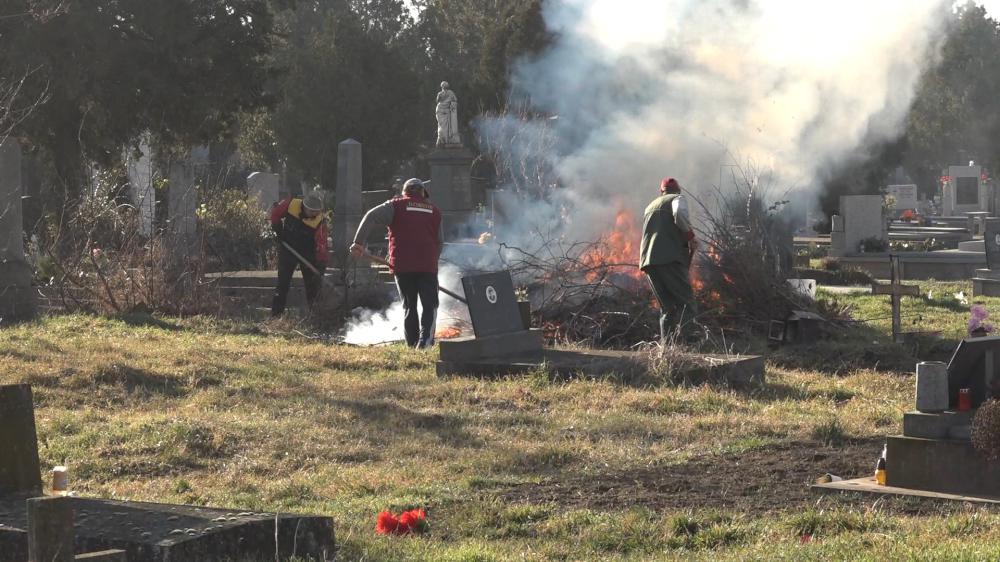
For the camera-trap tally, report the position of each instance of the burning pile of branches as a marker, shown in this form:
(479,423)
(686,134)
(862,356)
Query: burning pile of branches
(588,292)
(741,274)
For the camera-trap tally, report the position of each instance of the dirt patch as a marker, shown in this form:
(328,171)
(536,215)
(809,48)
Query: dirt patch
(764,480)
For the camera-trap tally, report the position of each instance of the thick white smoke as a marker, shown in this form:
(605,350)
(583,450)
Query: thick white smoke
(649,88)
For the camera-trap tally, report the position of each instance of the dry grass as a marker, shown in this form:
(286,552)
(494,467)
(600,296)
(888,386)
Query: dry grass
(205,412)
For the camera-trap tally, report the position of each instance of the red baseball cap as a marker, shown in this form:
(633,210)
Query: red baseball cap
(668,183)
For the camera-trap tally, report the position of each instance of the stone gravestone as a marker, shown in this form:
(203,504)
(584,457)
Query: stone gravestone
(19,469)
(141,179)
(904,197)
(964,191)
(986,283)
(347,210)
(182,198)
(149,532)
(17,299)
(860,219)
(265,188)
(492,304)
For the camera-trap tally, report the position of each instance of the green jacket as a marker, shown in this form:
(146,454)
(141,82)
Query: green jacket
(662,241)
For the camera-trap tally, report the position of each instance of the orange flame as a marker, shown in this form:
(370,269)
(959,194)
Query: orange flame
(620,247)
(451,332)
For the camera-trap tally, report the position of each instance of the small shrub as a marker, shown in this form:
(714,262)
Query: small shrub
(986,429)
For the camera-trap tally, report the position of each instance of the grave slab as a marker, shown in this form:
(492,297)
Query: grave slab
(471,348)
(869,486)
(165,533)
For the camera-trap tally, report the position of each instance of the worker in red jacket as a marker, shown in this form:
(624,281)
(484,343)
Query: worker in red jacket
(300,223)
(415,242)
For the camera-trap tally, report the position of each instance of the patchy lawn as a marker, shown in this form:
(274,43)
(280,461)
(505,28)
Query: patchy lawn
(244,416)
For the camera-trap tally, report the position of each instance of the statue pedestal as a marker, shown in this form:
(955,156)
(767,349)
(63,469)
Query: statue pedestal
(451,188)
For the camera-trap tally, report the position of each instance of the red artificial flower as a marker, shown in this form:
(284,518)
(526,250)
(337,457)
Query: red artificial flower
(387,524)
(414,521)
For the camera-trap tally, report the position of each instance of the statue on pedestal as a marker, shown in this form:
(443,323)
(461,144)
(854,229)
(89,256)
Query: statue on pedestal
(447,117)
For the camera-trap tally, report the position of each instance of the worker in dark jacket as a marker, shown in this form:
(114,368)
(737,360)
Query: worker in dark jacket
(300,223)
(415,242)
(668,245)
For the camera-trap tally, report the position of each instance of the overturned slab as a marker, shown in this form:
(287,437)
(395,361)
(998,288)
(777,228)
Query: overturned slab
(152,532)
(736,371)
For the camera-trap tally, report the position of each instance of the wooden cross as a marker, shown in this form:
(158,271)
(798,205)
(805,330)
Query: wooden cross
(898,291)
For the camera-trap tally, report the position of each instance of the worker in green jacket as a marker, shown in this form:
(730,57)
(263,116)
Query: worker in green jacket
(668,245)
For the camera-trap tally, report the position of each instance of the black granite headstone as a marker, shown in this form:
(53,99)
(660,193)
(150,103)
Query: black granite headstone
(991,236)
(968,368)
(492,304)
(19,469)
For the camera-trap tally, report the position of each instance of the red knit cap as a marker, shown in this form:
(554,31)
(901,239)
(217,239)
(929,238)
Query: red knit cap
(669,183)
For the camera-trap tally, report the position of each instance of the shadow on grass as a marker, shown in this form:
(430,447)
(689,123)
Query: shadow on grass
(386,417)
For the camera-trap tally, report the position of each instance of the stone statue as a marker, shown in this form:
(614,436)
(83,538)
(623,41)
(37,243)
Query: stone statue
(447,117)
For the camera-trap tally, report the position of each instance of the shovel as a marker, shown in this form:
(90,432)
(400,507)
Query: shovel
(305,262)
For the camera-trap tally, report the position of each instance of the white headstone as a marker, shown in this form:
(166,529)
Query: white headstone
(265,187)
(902,197)
(862,218)
(183,196)
(141,180)
(964,191)
(347,209)
(932,386)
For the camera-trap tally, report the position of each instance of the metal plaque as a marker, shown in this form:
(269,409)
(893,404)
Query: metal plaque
(492,304)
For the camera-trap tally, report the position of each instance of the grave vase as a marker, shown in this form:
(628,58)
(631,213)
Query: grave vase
(932,386)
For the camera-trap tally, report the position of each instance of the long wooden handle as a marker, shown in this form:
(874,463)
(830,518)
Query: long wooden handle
(381,261)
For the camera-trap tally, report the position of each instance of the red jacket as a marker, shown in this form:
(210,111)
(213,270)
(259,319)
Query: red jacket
(414,235)
(307,236)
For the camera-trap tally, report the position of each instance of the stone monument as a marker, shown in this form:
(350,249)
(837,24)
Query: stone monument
(141,177)
(182,197)
(347,206)
(860,219)
(447,118)
(17,299)
(451,178)
(902,198)
(965,191)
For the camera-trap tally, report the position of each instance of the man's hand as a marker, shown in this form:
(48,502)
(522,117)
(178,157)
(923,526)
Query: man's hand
(357,250)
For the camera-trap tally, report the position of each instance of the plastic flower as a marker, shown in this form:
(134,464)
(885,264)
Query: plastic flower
(414,521)
(387,524)
(977,321)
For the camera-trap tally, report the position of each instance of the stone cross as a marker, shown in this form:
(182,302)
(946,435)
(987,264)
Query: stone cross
(897,290)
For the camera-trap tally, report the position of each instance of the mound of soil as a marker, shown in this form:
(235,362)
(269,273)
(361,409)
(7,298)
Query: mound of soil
(771,479)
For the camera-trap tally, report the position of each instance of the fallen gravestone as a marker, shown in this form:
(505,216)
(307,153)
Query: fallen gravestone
(146,531)
(502,346)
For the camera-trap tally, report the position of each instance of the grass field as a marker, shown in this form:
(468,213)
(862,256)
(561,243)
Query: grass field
(207,412)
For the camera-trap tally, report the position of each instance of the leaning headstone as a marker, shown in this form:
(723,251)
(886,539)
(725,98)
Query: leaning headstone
(50,529)
(347,210)
(19,469)
(17,300)
(265,187)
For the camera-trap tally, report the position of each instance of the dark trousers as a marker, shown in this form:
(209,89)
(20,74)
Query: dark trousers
(672,288)
(286,267)
(422,286)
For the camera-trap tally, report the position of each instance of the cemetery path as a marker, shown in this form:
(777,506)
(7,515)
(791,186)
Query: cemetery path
(769,479)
